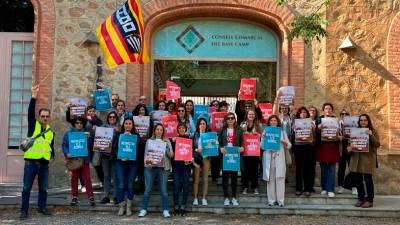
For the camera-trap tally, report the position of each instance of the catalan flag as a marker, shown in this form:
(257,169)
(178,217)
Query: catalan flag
(121,36)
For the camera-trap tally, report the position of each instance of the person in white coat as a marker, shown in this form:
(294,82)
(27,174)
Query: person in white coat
(274,166)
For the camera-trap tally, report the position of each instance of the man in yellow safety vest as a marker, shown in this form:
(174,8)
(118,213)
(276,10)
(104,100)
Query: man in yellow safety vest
(38,156)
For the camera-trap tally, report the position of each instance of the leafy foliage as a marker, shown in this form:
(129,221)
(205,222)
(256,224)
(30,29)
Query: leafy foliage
(308,27)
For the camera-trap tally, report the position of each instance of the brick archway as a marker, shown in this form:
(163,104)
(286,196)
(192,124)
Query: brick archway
(393,59)
(43,49)
(265,12)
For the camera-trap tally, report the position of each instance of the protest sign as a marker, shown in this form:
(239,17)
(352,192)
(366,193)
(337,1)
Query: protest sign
(127,145)
(183,149)
(272,138)
(170,124)
(266,110)
(142,125)
(248,88)
(359,139)
(103,139)
(348,123)
(162,94)
(77,106)
(208,142)
(231,159)
(303,130)
(286,96)
(217,121)
(201,111)
(329,129)
(77,142)
(156,116)
(155,152)
(173,91)
(102,100)
(251,144)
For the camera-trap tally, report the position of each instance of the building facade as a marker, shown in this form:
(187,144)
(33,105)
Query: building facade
(242,34)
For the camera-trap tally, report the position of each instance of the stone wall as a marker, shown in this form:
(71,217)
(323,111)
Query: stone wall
(75,64)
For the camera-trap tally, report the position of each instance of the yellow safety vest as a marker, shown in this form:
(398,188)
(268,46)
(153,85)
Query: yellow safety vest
(41,147)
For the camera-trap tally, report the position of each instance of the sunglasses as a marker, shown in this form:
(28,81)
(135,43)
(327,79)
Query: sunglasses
(230,118)
(345,114)
(114,99)
(79,123)
(181,110)
(44,116)
(112,117)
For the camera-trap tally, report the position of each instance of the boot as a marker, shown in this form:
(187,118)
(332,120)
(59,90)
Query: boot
(121,210)
(129,207)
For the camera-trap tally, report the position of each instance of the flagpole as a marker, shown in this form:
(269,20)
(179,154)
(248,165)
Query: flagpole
(54,68)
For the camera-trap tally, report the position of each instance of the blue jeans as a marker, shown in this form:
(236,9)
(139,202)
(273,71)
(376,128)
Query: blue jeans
(328,176)
(108,170)
(125,173)
(31,169)
(181,174)
(149,175)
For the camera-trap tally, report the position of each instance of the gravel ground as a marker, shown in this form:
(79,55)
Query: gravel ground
(80,218)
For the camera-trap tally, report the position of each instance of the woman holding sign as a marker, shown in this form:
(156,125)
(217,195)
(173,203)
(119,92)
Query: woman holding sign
(75,144)
(251,160)
(201,128)
(303,149)
(328,150)
(125,144)
(275,143)
(158,153)
(364,163)
(184,118)
(181,172)
(107,160)
(230,135)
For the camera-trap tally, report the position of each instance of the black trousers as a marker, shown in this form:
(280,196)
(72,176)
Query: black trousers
(358,178)
(225,183)
(305,167)
(343,163)
(216,167)
(250,171)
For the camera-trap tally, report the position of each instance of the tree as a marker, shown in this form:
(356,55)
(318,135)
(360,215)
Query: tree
(310,26)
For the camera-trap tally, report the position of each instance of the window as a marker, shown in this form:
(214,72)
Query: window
(20,91)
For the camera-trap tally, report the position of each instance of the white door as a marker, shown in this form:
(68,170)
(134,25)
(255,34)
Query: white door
(15,83)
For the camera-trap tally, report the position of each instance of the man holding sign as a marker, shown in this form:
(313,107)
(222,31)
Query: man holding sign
(75,145)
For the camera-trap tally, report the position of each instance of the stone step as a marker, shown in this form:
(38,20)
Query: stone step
(384,207)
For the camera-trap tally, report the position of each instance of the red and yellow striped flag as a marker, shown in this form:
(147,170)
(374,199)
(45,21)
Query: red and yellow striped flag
(121,36)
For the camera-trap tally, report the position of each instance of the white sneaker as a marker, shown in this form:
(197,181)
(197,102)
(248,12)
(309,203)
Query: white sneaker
(235,202)
(83,189)
(256,191)
(204,202)
(195,201)
(324,192)
(340,190)
(244,191)
(142,213)
(354,191)
(166,214)
(331,194)
(226,202)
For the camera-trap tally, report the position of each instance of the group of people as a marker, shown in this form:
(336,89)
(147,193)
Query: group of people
(247,118)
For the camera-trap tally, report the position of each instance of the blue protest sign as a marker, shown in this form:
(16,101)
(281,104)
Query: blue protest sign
(209,144)
(201,111)
(102,100)
(149,108)
(127,145)
(272,138)
(77,142)
(231,159)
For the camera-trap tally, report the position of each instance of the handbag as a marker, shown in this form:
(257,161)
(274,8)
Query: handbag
(26,144)
(288,157)
(74,163)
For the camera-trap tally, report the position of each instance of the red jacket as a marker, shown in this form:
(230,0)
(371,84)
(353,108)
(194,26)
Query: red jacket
(328,152)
